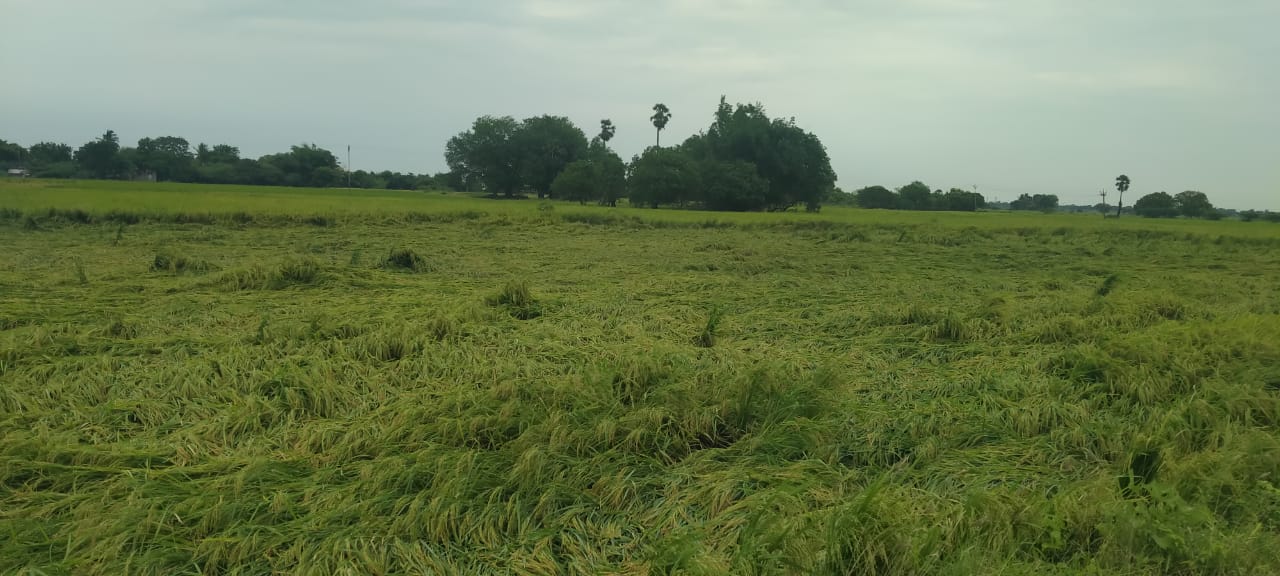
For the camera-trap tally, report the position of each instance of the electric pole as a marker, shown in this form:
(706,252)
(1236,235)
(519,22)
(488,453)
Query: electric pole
(348,165)
(1103,194)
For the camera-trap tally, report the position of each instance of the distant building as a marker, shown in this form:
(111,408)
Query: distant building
(18,173)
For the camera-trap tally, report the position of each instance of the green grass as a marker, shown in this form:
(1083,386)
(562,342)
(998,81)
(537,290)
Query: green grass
(213,380)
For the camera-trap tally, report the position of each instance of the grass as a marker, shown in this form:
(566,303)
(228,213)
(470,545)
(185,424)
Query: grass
(212,380)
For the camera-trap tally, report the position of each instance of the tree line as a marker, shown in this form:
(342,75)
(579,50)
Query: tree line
(744,161)
(913,196)
(173,159)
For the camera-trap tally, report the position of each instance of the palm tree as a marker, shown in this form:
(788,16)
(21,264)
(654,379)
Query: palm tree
(1122,184)
(661,115)
(607,130)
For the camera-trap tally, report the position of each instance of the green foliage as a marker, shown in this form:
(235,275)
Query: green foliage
(1039,202)
(661,116)
(11,155)
(101,158)
(877,197)
(169,157)
(1194,204)
(546,145)
(1156,205)
(663,176)
(915,196)
(600,177)
(732,186)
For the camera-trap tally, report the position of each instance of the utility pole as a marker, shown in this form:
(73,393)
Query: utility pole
(975,197)
(1103,194)
(348,165)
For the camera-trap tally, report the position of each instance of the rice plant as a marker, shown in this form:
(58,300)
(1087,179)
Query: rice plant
(902,393)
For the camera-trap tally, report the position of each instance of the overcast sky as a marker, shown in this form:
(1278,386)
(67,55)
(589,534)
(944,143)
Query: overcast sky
(1038,96)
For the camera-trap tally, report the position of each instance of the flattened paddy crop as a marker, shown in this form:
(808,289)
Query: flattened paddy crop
(452,386)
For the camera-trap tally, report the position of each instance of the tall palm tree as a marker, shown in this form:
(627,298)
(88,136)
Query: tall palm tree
(607,130)
(661,115)
(1122,184)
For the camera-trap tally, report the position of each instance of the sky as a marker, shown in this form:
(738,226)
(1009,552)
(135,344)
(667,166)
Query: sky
(1009,96)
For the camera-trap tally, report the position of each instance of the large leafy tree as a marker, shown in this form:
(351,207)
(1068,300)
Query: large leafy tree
(732,185)
(303,165)
(546,145)
(101,158)
(663,176)
(169,157)
(45,153)
(915,196)
(1040,202)
(957,200)
(487,153)
(11,154)
(1156,205)
(793,162)
(219,154)
(661,116)
(877,197)
(1194,204)
(1122,185)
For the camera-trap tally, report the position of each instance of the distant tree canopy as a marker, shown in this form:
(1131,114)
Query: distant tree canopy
(916,196)
(11,154)
(171,158)
(1156,205)
(599,177)
(1194,204)
(745,161)
(1038,202)
(507,156)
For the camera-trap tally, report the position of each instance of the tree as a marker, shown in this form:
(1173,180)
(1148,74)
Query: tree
(101,157)
(957,200)
(1024,202)
(1122,184)
(45,153)
(663,176)
(304,165)
(661,116)
(488,154)
(732,185)
(11,154)
(607,130)
(546,145)
(576,183)
(1156,205)
(877,197)
(792,161)
(915,196)
(1194,204)
(1045,202)
(169,157)
(219,154)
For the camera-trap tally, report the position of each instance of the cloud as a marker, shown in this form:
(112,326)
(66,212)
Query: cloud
(1036,95)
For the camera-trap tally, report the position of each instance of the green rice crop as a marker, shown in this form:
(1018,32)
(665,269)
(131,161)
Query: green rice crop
(212,380)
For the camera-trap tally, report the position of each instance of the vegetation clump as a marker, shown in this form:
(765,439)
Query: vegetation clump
(517,299)
(404,259)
